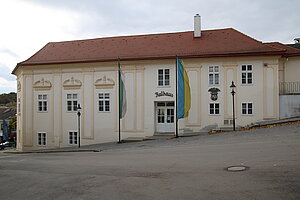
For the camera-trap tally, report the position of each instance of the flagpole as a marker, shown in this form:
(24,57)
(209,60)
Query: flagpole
(119,75)
(176,100)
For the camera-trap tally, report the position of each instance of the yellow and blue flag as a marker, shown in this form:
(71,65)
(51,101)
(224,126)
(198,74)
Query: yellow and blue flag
(184,92)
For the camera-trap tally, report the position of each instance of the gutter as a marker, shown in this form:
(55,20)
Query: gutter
(291,55)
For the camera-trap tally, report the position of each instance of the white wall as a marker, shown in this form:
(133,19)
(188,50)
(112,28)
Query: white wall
(289,106)
(292,69)
(141,86)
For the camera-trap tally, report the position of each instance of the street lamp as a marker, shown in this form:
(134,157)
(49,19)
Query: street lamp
(233,93)
(78,114)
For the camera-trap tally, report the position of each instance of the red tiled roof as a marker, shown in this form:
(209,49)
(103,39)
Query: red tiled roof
(288,49)
(221,42)
(5,113)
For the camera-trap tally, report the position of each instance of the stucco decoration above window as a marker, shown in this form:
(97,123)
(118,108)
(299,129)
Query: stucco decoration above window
(104,82)
(71,84)
(19,86)
(42,84)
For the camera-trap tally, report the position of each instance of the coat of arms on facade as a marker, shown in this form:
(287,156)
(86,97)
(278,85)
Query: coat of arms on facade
(214,93)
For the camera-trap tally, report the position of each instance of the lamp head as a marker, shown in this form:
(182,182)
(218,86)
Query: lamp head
(232,85)
(78,108)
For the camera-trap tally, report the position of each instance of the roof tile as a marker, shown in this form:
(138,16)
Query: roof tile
(211,42)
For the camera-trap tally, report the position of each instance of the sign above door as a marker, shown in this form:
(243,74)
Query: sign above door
(163,93)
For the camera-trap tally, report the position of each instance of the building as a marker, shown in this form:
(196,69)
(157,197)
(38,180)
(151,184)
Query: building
(61,75)
(296,44)
(5,114)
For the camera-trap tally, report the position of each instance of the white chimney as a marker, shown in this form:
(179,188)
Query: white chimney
(197,25)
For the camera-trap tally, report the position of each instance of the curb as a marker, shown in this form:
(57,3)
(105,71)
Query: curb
(52,151)
(282,123)
(258,127)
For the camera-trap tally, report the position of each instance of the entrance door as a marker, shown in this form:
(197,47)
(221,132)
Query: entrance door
(165,116)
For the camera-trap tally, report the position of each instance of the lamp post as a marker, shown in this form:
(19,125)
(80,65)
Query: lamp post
(78,114)
(233,93)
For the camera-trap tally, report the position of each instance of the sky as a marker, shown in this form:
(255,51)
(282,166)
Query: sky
(28,25)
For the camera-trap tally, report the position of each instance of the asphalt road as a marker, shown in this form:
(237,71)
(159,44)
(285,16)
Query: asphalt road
(184,168)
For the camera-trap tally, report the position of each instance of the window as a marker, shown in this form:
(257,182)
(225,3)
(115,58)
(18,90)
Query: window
(42,138)
(104,102)
(170,115)
(213,75)
(161,115)
(19,105)
(42,103)
(72,102)
(73,137)
(163,77)
(228,121)
(214,108)
(247,108)
(247,74)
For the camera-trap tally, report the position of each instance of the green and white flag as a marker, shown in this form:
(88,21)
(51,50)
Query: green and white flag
(122,94)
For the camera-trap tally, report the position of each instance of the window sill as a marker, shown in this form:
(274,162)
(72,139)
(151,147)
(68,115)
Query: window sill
(247,84)
(71,111)
(164,86)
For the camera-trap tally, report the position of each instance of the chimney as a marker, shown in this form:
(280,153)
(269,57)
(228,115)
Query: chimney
(197,25)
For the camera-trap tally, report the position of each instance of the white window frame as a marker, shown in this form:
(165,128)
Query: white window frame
(247,108)
(214,75)
(214,108)
(247,72)
(164,79)
(70,97)
(71,135)
(42,139)
(228,122)
(43,100)
(104,100)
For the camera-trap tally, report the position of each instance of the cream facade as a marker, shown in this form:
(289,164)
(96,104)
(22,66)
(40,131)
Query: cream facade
(291,69)
(47,95)
(289,87)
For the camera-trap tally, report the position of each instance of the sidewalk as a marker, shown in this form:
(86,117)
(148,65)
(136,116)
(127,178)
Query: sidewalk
(262,124)
(133,142)
(275,122)
(125,144)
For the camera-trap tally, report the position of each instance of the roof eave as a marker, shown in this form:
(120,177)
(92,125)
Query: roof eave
(151,58)
(291,55)
(15,69)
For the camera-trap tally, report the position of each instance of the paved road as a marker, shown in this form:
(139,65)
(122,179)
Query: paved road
(184,168)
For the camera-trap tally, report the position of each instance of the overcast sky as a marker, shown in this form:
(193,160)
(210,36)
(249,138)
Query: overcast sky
(27,25)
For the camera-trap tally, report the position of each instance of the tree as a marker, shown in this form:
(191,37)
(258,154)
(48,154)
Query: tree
(8,99)
(12,123)
(12,126)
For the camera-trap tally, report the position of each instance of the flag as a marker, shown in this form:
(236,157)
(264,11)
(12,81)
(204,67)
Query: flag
(122,94)
(5,131)
(184,93)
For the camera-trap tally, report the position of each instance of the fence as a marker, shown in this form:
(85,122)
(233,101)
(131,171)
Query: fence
(289,88)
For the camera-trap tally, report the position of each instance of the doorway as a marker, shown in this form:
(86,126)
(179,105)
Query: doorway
(165,117)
